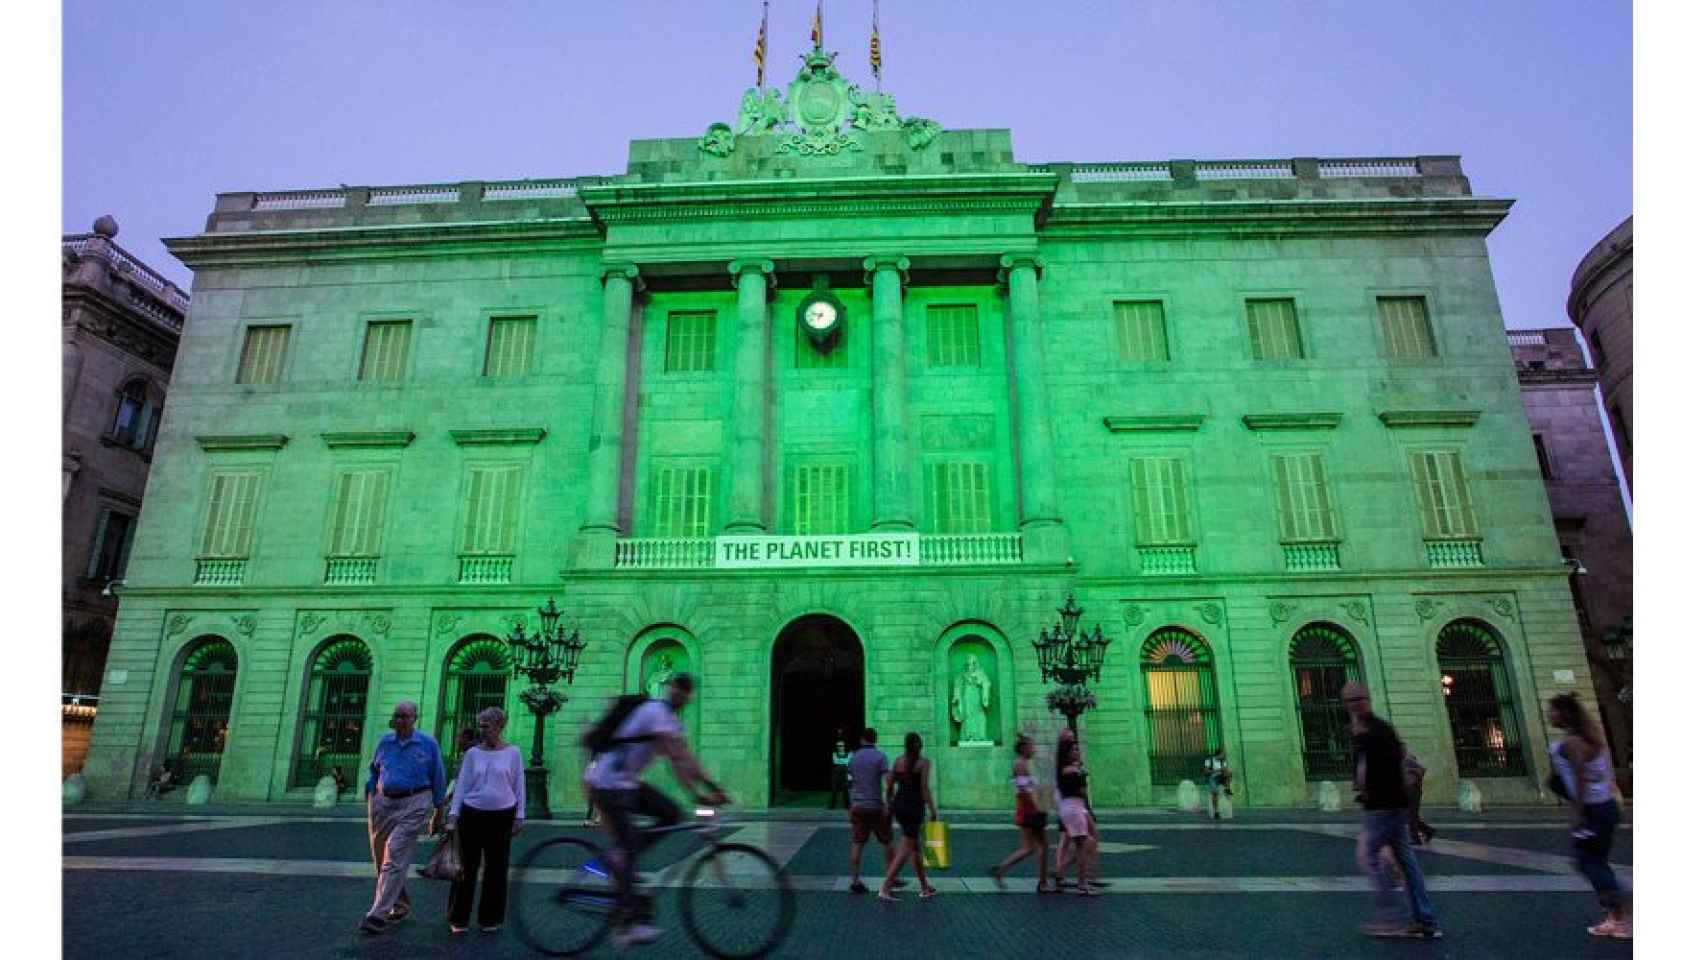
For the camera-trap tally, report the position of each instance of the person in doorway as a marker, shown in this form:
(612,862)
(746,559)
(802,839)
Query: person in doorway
(1219,778)
(1379,758)
(868,812)
(486,812)
(1581,761)
(1072,782)
(908,795)
(838,775)
(405,784)
(1421,832)
(340,783)
(1028,816)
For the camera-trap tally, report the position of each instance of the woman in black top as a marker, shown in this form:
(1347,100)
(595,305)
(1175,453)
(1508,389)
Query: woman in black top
(909,796)
(1072,781)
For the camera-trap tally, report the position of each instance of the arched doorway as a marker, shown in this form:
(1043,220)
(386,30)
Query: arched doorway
(1323,659)
(1180,705)
(201,712)
(817,694)
(1479,702)
(334,712)
(476,676)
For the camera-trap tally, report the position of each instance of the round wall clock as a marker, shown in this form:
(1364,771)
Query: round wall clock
(822,315)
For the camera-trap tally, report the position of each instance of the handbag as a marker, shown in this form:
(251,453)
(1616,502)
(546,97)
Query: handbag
(936,845)
(446,861)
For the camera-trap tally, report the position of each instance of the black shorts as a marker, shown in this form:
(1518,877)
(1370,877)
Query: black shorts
(911,821)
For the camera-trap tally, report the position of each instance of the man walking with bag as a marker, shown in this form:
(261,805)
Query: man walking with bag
(1386,822)
(405,785)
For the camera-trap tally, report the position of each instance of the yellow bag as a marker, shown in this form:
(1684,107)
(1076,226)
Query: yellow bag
(936,845)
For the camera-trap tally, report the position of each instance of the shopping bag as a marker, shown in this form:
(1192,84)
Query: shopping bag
(936,845)
(446,861)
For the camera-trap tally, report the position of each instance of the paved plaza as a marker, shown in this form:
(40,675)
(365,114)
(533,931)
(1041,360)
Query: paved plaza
(157,881)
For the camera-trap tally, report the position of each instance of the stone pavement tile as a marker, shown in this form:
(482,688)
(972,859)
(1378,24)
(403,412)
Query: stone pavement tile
(1555,841)
(72,824)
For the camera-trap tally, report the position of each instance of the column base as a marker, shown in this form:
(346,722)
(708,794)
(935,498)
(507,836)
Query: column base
(593,548)
(745,528)
(1045,542)
(893,526)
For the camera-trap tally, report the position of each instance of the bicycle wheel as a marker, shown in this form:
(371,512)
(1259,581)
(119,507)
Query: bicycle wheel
(737,902)
(562,896)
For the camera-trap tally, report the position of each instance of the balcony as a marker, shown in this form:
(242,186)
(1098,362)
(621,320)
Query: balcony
(1166,560)
(220,573)
(1310,557)
(484,569)
(351,571)
(1454,554)
(970,549)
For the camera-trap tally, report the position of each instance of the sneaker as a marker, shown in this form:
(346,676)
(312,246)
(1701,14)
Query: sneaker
(858,886)
(638,933)
(1418,931)
(372,924)
(1625,931)
(457,930)
(1604,928)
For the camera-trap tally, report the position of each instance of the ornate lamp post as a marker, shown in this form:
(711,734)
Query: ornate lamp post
(1071,659)
(543,658)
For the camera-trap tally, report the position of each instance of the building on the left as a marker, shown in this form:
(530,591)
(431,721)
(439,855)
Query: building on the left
(120,322)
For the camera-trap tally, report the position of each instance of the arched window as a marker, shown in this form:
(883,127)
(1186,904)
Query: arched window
(1485,733)
(1323,660)
(1179,704)
(134,417)
(476,676)
(334,712)
(201,714)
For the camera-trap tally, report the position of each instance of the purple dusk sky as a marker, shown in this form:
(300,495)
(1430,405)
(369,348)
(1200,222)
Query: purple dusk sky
(169,102)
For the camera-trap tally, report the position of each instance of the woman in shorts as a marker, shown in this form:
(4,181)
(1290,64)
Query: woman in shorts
(1028,816)
(1072,781)
(909,796)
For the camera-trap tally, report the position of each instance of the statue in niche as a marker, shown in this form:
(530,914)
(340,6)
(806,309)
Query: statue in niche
(660,676)
(969,704)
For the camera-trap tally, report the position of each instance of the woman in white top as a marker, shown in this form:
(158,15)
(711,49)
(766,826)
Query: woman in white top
(1581,767)
(486,811)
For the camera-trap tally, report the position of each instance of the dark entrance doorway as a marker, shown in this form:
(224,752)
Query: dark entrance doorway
(817,695)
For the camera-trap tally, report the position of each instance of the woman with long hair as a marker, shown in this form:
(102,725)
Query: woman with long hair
(1028,816)
(1581,767)
(486,812)
(908,795)
(1072,781)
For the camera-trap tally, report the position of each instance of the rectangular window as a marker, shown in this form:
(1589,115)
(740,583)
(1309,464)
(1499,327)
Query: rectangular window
(808,356)
(509,347)
(1160,501)
(1540,455)
(690,342)
(951,336)
(1404,322)
(818,493)
(960,490)
(1442,490)
(1142,330)
(263,354)
(1273,329)
(358,513)
(385,354)
(230,525)
(109,553)
(1304,501)
(681,502)
(492,510)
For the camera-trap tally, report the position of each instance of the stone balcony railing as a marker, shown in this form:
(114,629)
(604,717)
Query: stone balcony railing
(1310,557)
(220,573)
(484,569)
(85,244)
(351,571)
(1163,560)
(935,550)
(1454,554)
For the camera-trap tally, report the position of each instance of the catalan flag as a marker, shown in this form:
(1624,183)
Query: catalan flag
(876,48)
(763,45)
(817,27)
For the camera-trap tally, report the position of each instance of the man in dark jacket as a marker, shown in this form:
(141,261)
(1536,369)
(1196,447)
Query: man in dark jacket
(1386,821)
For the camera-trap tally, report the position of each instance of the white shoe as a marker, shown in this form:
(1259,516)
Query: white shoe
(639,933)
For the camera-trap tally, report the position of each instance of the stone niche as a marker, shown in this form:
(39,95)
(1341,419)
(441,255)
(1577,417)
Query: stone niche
(972,682)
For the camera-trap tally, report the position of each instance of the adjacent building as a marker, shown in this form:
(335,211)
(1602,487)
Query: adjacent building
(834,408)
(1602,306)
(121,322)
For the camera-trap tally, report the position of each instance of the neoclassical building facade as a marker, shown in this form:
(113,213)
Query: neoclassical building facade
(834,408)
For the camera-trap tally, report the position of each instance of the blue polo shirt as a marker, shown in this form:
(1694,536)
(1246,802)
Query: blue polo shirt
(407,765)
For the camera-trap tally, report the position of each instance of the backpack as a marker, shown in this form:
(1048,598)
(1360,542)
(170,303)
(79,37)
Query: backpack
(602,736)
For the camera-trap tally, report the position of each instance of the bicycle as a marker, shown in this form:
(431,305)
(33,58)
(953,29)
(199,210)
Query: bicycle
(564,895)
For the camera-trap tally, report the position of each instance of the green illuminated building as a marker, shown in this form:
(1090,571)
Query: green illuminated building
(1259,416)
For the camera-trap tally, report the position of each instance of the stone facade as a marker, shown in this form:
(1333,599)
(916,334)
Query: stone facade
(120,323)
(1602,306)
(1044,379)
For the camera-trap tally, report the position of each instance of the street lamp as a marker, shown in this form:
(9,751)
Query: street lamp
(1071,659)
(544,658)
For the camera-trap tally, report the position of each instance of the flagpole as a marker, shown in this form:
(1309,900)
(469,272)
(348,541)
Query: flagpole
(876,49)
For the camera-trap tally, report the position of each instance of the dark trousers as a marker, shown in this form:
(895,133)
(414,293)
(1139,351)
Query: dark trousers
(1421,831)
(1593,854)
(838,779)
(619,808)
(484,835)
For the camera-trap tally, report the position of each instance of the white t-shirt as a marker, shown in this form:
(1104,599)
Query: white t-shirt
(621,766)
(491,780)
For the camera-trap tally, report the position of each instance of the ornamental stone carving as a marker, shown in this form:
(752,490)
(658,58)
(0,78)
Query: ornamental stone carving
(1356,610)
(311,622)
(1133,614)
(1503,607)
(1279,611)
(447,624)
(245,624)
(968,704)
(1210,613)
(1427,608)
(814,120)
(178,624)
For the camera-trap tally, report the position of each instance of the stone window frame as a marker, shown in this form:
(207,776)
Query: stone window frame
(284,362)
(108,506)
(492,318)
(418,321)
(1302,314)
(463,504)
(1430,314)
(1138,539)
(646,498)
(1543,456)
(150,403)
(199,533)
(820,456)
(711,355)
(1168,329)
(1420,508)
(993,512)
(339,471)
(978,339)
(1335,500)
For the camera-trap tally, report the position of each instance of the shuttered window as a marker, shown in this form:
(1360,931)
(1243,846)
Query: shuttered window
(134,418)
(1273,330)
(109,553)
(1160,501)
(1404,322)
(690,342)
(263,354)
(492,510)
(229,528)
(960,490)
(509,347)
(681,502)
(951,336)
(1442,490)
(385,354)
(358,512)
(1304,501)
(1141,328)
(818,493)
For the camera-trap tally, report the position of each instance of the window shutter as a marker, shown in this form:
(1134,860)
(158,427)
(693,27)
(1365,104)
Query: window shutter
(510,514)
(1456,487)
(139,438)
(1281,471)
(96,545)
(243,511)
(662,520)
(218,504)
(342,506)
(1427,497)
(1181,511)
(1141,513)
(128,534)
(471,511)
(1327,524)
(379,489)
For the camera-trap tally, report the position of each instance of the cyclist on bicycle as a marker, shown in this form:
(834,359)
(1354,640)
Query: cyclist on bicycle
(614,777)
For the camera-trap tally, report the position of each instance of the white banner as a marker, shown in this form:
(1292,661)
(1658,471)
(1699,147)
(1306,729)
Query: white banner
(841,550)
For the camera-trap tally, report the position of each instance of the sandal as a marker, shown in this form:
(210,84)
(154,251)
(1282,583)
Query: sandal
(926,893)
(885,894)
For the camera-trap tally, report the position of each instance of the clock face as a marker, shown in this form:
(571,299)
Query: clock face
(821,315)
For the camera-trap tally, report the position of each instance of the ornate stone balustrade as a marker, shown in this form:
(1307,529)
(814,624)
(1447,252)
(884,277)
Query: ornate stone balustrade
(1167,560)
(1138,170)
(959,550)
(1454,554)
(300,200)
(529,190)
(665,553)
(1310,557)
(1244,170)
(220,573)
(1525,338)
(1371,167)
(484,569)
(351,571)
(432,193)
(136,271)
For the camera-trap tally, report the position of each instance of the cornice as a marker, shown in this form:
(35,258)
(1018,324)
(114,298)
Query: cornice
(242,441)
(833,196)
(369,438)
(1292,421)
(102,317)
(1161,422)
(466,238)
(1300,217)
(497,436)
(1398,419)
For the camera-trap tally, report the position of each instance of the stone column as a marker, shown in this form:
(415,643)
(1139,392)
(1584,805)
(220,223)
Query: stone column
(596,544)
(753,279)
(892,506)
(1039,514)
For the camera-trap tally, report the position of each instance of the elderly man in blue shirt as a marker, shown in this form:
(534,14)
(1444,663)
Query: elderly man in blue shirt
(405,784)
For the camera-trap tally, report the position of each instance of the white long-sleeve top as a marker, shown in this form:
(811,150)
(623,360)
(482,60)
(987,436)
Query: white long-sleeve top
(491,780)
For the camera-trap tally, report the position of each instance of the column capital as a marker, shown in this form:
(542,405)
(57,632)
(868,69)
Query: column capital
(628,271)
(1012,261)
(745,264)
(891,261)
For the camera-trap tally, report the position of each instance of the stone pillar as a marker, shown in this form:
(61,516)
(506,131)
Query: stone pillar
(892,506)
(596,545)
(753,279)
(1039,515)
